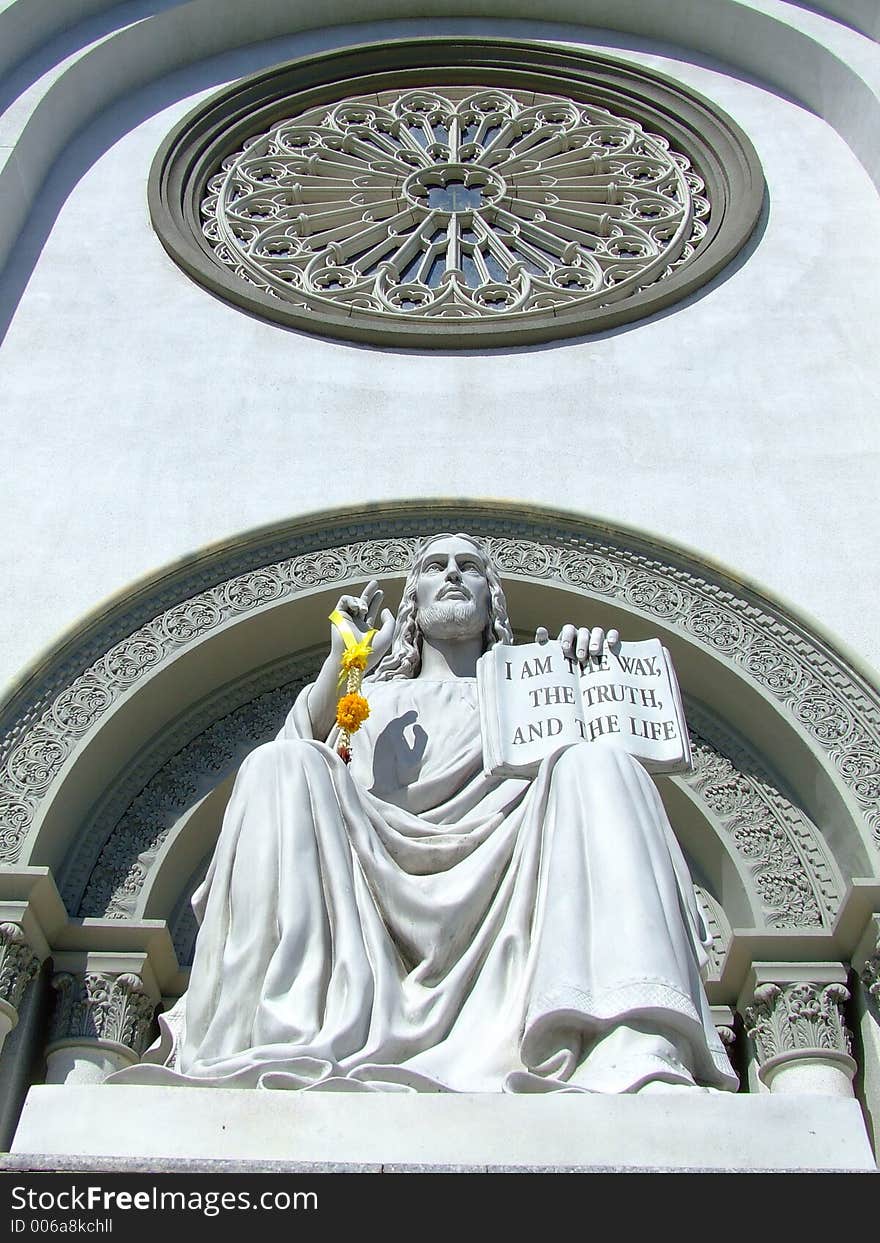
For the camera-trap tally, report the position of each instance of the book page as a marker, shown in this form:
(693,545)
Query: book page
(534,701)
(537,701)
(628,695)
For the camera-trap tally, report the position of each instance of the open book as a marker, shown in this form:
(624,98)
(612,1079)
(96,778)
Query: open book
(534,701)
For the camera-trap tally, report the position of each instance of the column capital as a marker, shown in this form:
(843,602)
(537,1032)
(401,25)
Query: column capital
(105,1001)
(794,1014)
(19,963)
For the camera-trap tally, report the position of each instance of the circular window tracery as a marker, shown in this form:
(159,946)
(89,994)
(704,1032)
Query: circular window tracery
(450,193)
(456,202)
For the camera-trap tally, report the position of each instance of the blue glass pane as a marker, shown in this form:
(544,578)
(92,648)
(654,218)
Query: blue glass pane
(455,196)
(409,273)
(496,271)
(471,273)
(438,267)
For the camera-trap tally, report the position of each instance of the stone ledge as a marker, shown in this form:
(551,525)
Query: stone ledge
(130,1128)
(44,1163)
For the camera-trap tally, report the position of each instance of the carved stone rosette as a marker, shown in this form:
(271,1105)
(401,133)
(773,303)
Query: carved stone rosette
(801,1027)
(19,963)
(102,1007)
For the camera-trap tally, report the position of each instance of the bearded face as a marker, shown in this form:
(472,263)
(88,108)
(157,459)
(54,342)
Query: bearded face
(451,619)
(452,593)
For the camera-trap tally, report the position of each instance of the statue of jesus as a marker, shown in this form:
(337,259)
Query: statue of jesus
(405,922)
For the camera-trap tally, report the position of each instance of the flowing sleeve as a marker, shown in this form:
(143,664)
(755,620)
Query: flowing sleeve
(298,723)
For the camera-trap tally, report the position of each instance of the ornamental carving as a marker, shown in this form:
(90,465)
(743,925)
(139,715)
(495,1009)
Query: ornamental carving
(798,1018)
(455,202)
(19,964)
(455,192)
(812,684)
(717,926)
(98,1006)
(783,852)
(871,974)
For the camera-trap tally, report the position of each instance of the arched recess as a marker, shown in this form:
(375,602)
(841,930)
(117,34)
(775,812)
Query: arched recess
(120,748)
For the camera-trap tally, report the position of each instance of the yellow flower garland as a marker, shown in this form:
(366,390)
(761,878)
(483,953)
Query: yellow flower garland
(352,709)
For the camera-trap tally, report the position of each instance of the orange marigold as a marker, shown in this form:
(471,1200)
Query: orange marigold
(351,711)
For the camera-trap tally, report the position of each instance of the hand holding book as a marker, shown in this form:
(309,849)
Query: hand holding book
(586,686)
(579,642)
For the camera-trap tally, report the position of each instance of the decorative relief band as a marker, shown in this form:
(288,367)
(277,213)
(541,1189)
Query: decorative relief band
(717,926)
(822,696)
(798,1018)
(19,964)
(98,1006)
(793,873)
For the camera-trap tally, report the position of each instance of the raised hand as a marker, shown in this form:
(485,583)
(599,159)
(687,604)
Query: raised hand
(362,613)
(579,642)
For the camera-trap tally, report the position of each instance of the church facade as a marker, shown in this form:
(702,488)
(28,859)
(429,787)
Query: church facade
(283,294)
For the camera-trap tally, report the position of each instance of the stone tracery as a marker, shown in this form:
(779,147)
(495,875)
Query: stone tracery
(455,202)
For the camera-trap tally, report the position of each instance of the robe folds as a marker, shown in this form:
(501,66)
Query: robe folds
(408,923)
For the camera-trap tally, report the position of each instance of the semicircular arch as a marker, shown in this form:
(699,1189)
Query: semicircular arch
(121,746)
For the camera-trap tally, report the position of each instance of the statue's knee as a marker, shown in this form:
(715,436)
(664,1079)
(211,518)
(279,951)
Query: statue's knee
(273,755)
(595,761)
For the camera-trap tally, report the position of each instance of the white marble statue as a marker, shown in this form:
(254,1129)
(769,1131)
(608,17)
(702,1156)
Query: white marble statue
(407,923)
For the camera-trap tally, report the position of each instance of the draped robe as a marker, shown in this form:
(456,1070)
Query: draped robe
(408,923)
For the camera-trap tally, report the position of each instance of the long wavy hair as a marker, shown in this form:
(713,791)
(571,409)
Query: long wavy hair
(404,658)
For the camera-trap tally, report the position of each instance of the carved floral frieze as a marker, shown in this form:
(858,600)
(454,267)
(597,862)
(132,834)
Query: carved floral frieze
(870,973)
(779,845)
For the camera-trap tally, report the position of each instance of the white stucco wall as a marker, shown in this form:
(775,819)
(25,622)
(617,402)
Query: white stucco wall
(143,418)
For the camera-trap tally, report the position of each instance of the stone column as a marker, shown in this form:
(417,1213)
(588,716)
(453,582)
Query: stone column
(19,963)
(102,1022)
(794,1014)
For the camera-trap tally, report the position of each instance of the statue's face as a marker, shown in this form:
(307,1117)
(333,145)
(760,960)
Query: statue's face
(452,591)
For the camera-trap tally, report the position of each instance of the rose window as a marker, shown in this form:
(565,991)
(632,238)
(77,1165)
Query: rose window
(455,202)
(455,193)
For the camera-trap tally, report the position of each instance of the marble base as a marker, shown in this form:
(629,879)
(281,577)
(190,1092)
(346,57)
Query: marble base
(671,1131)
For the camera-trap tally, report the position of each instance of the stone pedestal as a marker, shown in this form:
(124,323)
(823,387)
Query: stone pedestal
(680,1129)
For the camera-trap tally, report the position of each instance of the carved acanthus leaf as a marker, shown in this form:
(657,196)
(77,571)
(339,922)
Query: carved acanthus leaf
(19,963)
(101,1006)
(870,974)
(798,1018)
